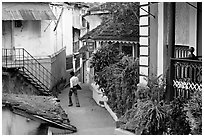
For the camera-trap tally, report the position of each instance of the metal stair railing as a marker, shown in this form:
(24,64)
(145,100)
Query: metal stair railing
(20,58)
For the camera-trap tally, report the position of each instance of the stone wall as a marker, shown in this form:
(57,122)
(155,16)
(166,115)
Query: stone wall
(14,82)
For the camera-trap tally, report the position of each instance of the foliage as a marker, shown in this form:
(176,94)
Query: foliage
(117,75)
(195,107)
(121,83)
(149,114)
(178,123)
(104,57)
(146,117)
(157,86)
(124,14)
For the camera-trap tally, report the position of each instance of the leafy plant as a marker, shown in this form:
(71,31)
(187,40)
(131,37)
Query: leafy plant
(146,117)
(195,107)
(103,58)
(178,123)
(121,84)
(150,112)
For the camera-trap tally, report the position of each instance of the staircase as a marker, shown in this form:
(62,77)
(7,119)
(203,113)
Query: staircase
(29,67)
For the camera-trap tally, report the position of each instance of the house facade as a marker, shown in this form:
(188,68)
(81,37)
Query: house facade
(104,31)
(39,30)
(79,27)
(171,30)
(166,36)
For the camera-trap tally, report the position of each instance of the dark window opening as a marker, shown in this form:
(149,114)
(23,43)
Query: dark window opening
(18,23)
(69,64)
(127,50)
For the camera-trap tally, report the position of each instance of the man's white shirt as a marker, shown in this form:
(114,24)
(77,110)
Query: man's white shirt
(73,81)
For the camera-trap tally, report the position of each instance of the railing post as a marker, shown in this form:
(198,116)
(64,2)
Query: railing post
(23,61)
(6,57)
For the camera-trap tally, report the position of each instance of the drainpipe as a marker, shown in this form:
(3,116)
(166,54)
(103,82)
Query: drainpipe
(171,42)
(199,29)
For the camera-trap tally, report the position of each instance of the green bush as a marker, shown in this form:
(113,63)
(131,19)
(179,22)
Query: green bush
(121,84)
(117,75)
(178,123)
(195,107)
(149,114)
(103,58)
(152,116)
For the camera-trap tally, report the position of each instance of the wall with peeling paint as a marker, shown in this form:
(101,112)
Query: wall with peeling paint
(13,124)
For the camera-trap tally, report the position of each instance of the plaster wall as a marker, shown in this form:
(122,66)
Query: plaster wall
(161,41)
(67,30)
(7,34)
(58,66)
(94,21)
(153,40)
(77,18)
(30,38)
(13,124)
(185,29)
(14,83)
(38,36)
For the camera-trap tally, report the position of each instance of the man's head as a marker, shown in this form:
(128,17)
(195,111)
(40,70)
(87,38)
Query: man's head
(192,49)
(72,73)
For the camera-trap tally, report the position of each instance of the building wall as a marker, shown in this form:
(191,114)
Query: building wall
(77,18)
(7,34)
(153,40)
(94,21)
(185,24)
(67,30)
(29,37)
(13,82)
(13,124)
(58,66)
(185,32)
(41,41)
(38,37)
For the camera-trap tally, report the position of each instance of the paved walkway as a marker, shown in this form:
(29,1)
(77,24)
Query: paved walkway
(90,119)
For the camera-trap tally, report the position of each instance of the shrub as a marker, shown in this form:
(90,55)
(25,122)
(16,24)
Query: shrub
(178,123)
(104,57)
(121,84)
(146,117)
(149,114)
(117,75)
(195,107)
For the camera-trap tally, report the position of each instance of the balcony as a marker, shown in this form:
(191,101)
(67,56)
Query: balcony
(186,76)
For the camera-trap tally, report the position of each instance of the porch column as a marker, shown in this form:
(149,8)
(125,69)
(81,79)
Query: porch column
(171,43)
(199,29)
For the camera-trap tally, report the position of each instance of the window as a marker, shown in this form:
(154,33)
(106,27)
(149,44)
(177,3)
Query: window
(18,23)
(69,64)
(77,62)
(83,22)
(127,50)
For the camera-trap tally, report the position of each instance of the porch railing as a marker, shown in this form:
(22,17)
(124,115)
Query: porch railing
(187,76)
(29,66)
(181,51)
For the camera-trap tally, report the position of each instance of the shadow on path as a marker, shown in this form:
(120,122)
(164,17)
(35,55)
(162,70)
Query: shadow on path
(90,119)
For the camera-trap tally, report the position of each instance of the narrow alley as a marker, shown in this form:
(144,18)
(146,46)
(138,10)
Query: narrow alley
(90,119)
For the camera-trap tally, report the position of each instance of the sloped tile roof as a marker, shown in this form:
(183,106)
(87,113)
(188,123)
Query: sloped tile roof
(96,31)
(45,108)
(123,26)
(115,31)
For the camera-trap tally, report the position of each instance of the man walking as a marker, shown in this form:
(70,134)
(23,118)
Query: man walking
(73,89)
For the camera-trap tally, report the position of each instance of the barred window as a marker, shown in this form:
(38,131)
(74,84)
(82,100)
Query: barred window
(77,62)
(69,62)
